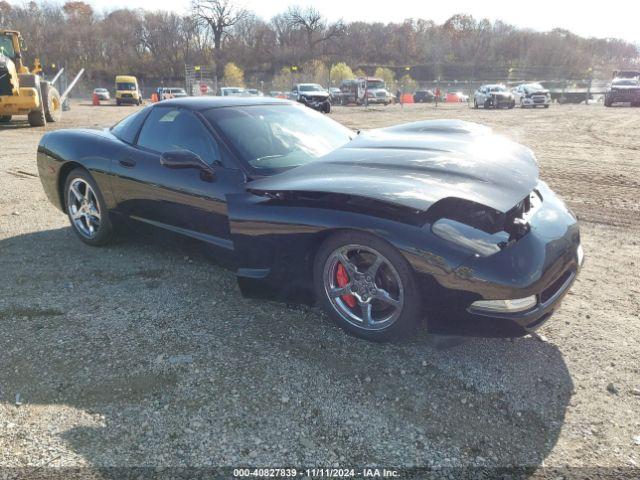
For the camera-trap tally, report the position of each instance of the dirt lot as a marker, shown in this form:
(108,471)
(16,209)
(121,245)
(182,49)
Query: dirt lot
(138,354)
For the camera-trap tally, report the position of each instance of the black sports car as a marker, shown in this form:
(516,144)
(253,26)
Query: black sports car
(435,220)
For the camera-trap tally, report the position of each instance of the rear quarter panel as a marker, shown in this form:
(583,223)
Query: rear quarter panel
(61,151)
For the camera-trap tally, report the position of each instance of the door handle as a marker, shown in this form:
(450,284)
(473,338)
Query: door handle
(128,163)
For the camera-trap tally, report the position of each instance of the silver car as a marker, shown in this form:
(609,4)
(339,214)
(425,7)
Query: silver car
(532,95)
(102,93)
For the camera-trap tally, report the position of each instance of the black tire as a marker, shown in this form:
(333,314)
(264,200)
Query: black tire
(51,102)
(104,232)
(36,117)
(327,107)
(410,309)
(5,118)
(546,106)
(118,102)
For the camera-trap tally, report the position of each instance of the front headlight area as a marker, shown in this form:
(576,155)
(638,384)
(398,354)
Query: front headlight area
(479,229)
(470,238)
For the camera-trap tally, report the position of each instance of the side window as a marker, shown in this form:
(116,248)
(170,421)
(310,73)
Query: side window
(168,129)
(128,128)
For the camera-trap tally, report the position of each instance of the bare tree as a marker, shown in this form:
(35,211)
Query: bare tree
(315,28)
(156,45)
(5,10)
(219,16)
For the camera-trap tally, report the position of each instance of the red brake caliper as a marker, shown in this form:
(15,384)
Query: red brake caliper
(343,279)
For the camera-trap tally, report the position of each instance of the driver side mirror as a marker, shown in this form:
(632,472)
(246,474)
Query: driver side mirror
(182,159)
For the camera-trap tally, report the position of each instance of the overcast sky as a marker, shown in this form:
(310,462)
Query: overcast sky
(618,18)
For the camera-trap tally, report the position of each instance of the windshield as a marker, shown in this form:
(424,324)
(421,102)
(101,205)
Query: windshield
(272,138)
(625,82)
(534,87)
(497,88)
(375,84)
(6,46)
(125,86)
(310,88)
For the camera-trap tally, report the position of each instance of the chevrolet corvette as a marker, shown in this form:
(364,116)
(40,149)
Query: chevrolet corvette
(440,223)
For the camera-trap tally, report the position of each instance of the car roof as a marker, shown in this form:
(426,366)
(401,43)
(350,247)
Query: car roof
(206,103)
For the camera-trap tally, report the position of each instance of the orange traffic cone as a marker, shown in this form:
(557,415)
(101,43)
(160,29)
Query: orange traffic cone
(96,100)
(406,98)
(154,97)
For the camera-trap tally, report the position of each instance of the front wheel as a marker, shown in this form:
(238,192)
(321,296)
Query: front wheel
(366,286)
(52,103)
(87,209)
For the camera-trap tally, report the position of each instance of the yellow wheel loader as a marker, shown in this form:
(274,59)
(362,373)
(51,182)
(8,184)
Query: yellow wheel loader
(23,92)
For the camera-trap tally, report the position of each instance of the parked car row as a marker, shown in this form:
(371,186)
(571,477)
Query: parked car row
(526,95)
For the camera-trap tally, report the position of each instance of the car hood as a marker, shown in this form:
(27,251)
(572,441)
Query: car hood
(314,93)
(537,92)
(417,164)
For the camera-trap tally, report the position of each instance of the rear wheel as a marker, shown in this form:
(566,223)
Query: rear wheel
(86,208)
(366,286)
(52,103)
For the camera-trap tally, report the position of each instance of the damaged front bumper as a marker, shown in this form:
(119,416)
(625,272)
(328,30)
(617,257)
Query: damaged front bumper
(517,289)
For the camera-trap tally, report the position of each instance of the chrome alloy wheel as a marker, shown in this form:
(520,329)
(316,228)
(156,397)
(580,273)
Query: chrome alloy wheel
(371,295)
(82,205)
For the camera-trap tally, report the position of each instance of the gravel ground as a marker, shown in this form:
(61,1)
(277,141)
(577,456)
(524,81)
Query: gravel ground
(145,354)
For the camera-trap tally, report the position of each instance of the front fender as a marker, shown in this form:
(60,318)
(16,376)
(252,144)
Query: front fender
(275,242)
